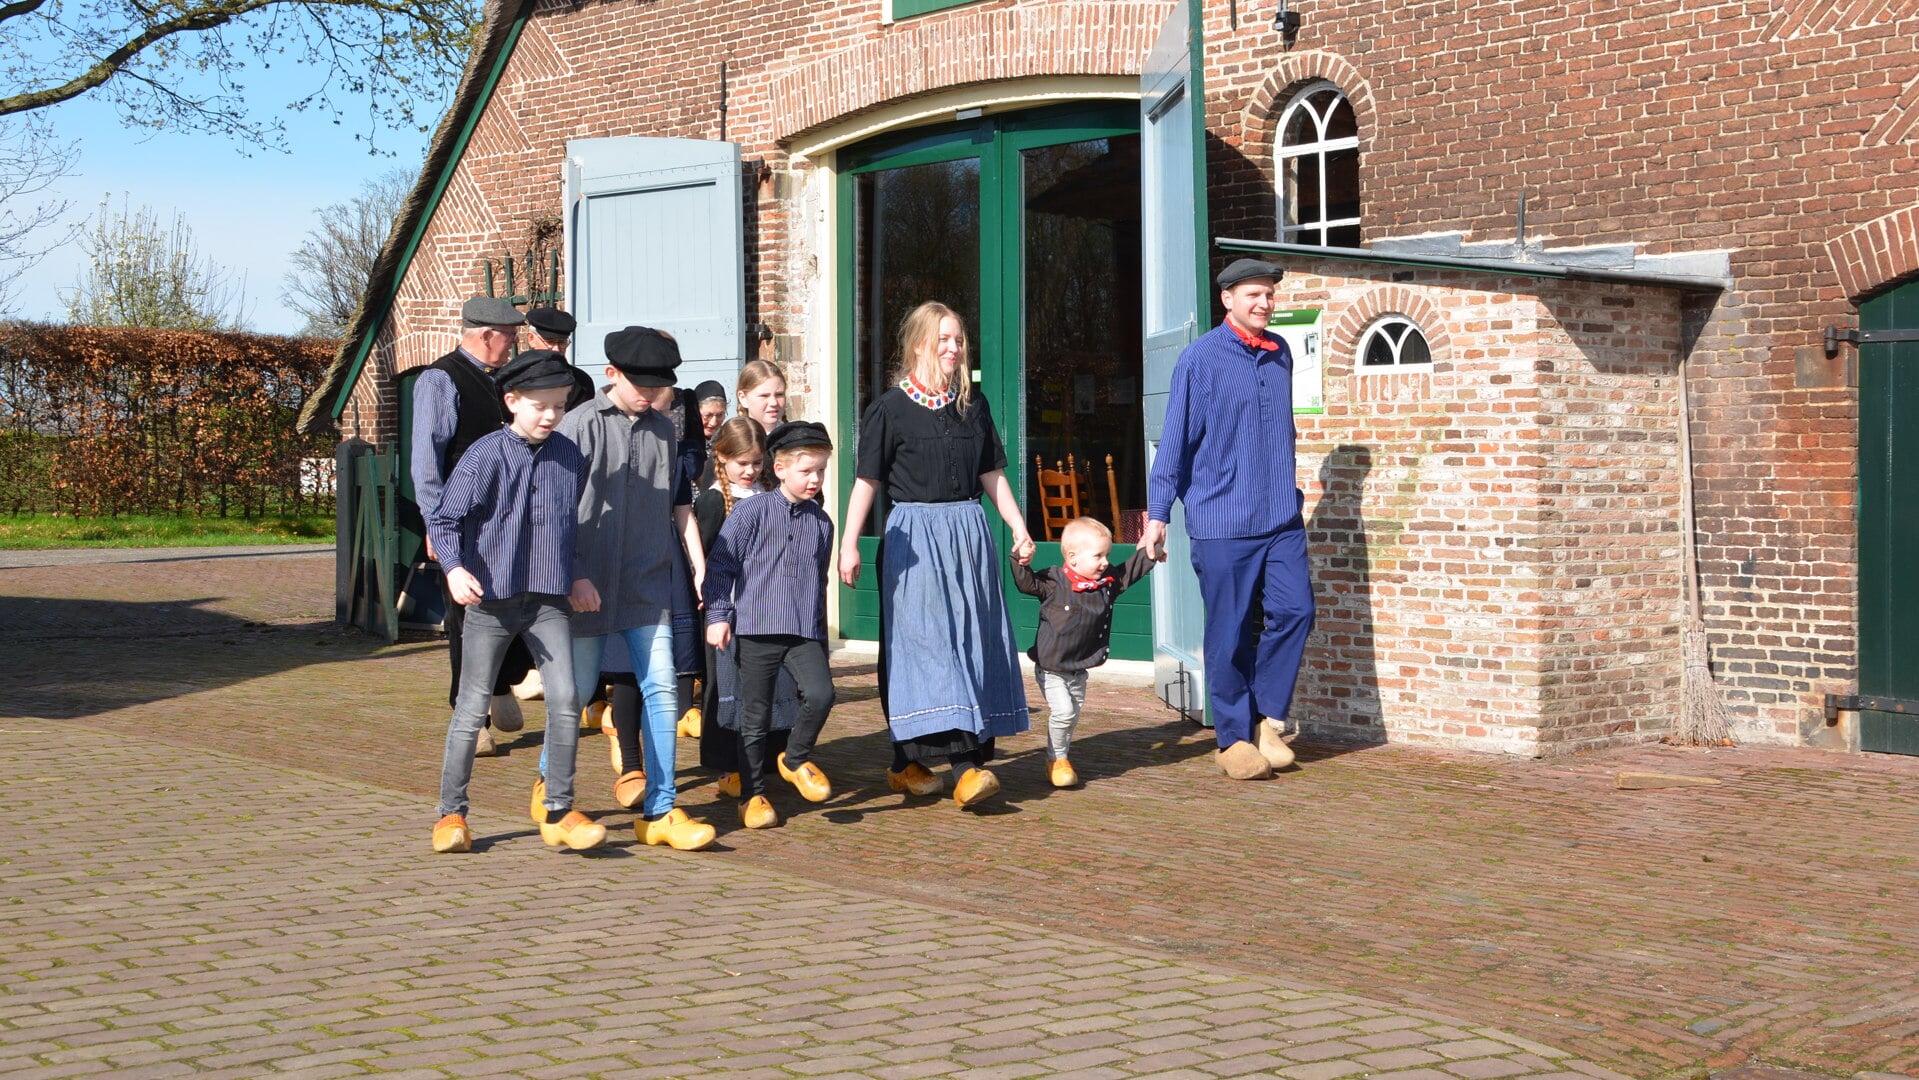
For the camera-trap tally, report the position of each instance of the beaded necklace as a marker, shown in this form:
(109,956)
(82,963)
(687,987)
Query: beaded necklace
(923,396)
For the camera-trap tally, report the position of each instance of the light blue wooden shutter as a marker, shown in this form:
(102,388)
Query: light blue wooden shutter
(654,238)
(1173,214)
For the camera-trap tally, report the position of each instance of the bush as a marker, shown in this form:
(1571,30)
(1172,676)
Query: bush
(132,421)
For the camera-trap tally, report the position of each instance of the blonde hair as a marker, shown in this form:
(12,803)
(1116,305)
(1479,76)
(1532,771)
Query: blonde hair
(1075,532)
(733,441)
(754,373)
(921,327)
(791,452)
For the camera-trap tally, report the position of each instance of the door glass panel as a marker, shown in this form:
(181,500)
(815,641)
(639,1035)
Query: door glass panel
(916,237)
(1080,327)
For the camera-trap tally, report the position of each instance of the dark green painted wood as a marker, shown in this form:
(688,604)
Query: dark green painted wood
(906,9)
(997,141)
(1889,520)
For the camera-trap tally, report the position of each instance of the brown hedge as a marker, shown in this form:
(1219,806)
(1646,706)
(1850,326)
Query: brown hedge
(116,421)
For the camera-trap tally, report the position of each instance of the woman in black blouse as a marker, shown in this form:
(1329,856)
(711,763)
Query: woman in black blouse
(949,670)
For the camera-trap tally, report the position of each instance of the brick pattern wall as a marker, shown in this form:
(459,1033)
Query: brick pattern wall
(1768,130)
(653,69)
(1781,132)
(1494,539)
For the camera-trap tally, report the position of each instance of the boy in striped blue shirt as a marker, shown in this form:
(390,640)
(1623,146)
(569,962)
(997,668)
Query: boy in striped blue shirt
(766,579)
(504,531)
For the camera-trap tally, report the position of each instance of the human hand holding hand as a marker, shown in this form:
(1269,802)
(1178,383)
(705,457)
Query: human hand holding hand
(719,634)
(584,596)
(1153,541)
(464,587)
(1023,548)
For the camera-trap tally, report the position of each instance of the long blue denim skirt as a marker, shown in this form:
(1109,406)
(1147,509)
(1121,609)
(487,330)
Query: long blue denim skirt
(952,663)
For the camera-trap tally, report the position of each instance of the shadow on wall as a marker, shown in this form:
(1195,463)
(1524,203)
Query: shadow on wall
(64,658)
(1339,691)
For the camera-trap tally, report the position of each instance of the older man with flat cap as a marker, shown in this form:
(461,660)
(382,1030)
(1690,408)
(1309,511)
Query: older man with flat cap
(551,328)
(1227,453)
(455,404)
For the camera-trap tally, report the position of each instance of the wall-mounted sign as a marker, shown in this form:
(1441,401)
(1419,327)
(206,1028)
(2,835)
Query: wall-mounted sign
(1300,330)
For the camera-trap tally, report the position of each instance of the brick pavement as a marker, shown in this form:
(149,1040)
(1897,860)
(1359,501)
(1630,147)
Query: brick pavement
(230,919)
(1770,919)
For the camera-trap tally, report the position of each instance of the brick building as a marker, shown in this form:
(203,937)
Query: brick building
(1520,237)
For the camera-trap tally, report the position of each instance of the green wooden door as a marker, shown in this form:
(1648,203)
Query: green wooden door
(1889,526)
(1027,224)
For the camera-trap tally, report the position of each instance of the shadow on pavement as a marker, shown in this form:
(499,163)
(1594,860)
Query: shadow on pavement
(65,658)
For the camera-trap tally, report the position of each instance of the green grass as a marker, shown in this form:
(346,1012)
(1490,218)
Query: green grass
(33,531)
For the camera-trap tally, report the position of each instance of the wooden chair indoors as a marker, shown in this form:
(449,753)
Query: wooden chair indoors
(1058,495)
(1112,496)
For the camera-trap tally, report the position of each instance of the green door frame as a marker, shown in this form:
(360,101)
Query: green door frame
(997,142)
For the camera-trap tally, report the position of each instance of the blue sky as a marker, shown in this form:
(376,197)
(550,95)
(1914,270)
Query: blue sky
(249,207)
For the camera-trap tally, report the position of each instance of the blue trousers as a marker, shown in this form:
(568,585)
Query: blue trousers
(1250,669)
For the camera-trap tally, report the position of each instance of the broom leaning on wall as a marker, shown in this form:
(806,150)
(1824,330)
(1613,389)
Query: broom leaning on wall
(1703,720)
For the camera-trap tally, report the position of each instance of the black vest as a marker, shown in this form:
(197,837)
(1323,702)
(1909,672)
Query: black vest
(482,410)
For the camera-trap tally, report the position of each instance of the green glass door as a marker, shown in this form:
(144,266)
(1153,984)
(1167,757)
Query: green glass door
(1888,524)
(1028,225)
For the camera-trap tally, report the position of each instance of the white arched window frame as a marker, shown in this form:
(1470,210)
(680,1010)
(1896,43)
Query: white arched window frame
(1317,159)
(1393,343)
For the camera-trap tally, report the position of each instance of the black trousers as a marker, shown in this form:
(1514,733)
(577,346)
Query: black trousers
(761,657)
(513,668)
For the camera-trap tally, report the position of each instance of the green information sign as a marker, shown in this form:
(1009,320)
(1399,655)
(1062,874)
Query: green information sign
(1300,330)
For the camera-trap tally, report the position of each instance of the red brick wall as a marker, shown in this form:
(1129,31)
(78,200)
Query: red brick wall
(1770,129)
(1494,537)
(1780,131)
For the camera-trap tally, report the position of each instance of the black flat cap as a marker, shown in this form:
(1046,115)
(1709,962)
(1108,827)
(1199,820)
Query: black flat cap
(1247,269)
(535,369)
(644,355)
(552,323)
(709,391)
(489,311)
(798,435)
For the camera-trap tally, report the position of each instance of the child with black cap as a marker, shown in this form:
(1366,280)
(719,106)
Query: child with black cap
(635,517)
(766,578)
(503,530)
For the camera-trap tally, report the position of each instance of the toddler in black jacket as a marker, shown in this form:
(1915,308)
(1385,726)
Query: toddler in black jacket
(1075,627)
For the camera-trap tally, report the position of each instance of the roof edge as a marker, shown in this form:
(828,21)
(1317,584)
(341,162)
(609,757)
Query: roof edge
(1556,271)
(492,46)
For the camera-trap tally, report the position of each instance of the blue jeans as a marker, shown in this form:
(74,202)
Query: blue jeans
(1251,668)
(546,624)
(651,650)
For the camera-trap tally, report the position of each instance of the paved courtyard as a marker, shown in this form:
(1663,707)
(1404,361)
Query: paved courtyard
(216,864)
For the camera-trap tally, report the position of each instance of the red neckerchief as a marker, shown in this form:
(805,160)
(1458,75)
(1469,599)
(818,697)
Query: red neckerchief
(1084,584)
(1257,341)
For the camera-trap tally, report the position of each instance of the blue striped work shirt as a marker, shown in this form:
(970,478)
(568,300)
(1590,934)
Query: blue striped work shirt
(508,514)
(766,573)
(1227,447)
(436,416)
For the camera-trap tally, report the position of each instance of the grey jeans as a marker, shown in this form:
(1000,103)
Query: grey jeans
(491,626)
(1065,692)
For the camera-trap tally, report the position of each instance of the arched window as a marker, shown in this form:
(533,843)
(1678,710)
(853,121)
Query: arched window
(1393,344)
(1318,159)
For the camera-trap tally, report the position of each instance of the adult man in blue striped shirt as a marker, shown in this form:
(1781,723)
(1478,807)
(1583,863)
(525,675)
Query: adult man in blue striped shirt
(455,403)
(1227,452)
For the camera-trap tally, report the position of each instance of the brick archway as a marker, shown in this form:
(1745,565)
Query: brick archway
(1343,342)
(1877,254)
(1259,120)
(942,51)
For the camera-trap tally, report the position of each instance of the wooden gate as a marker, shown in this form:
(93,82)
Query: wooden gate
(368,596)
(1889,522)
